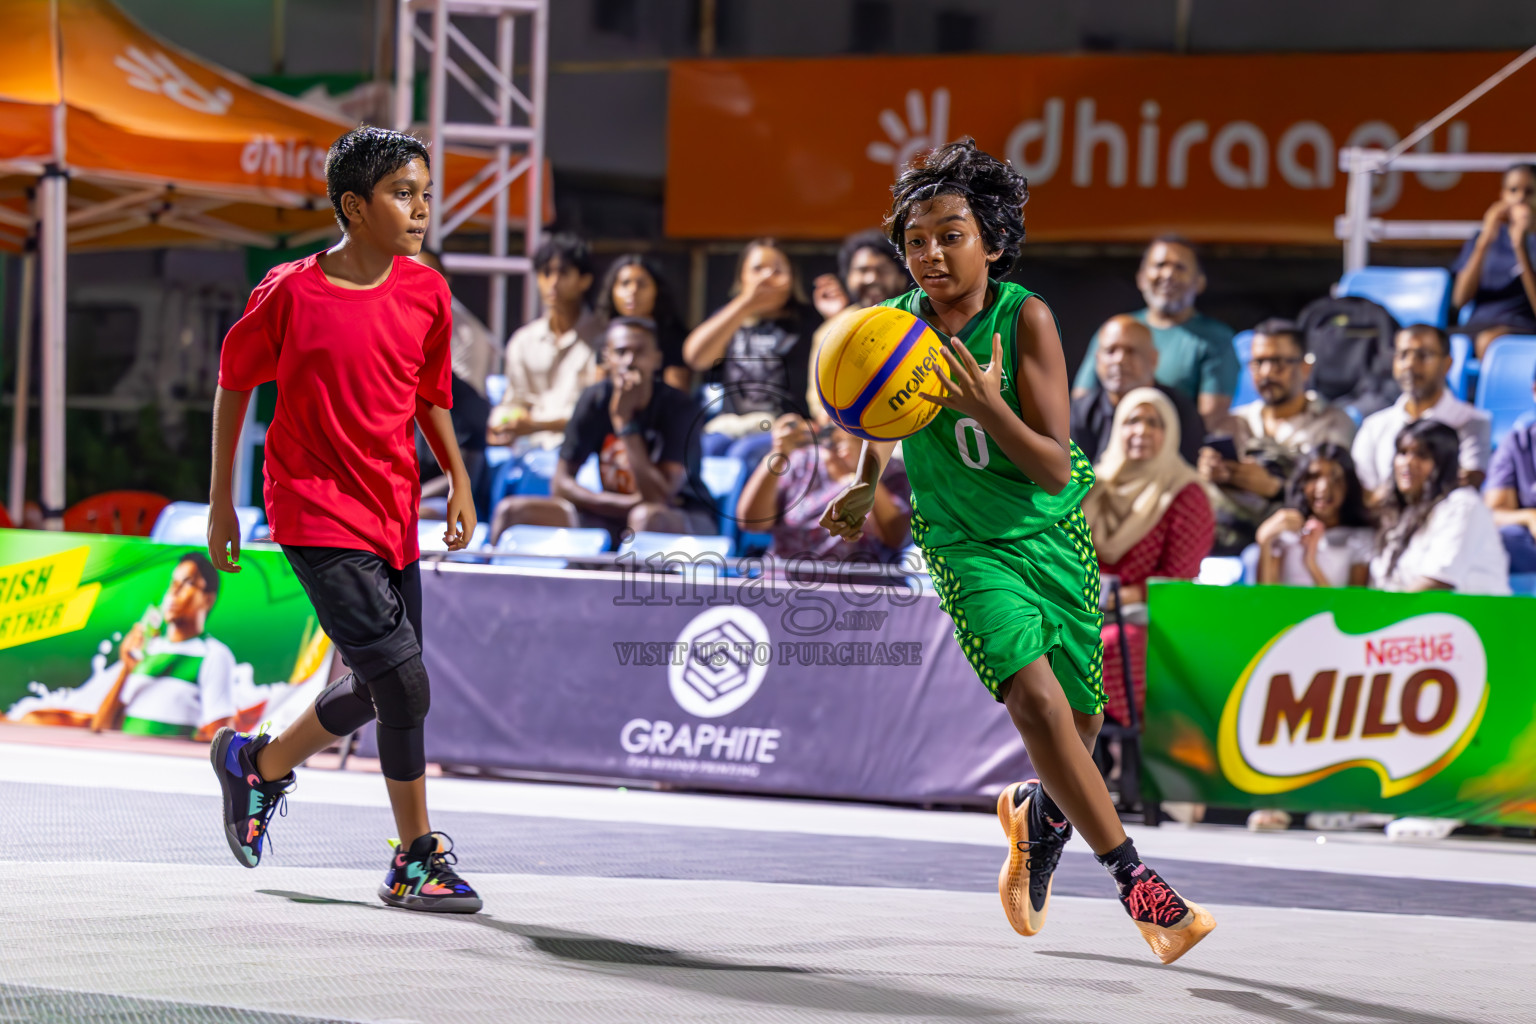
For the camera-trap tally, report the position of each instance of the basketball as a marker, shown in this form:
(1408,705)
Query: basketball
(872,366)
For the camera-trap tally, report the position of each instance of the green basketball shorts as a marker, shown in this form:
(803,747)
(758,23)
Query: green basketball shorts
(1016,601)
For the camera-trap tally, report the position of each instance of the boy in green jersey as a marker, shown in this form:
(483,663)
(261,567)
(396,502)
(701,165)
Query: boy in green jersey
(997,488)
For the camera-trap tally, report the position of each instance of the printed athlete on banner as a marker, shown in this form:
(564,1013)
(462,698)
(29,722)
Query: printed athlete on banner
(170,676)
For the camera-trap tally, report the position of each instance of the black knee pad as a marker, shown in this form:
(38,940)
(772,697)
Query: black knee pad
(344,707)
(401,695)
(402,752)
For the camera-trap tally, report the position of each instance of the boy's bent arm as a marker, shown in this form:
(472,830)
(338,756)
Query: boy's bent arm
(1038,442)
(223,524)
(437,426)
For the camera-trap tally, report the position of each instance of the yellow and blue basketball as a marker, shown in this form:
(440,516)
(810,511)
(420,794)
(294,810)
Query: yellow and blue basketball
(872,366)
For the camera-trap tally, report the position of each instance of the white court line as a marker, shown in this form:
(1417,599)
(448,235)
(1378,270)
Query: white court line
(1348,853)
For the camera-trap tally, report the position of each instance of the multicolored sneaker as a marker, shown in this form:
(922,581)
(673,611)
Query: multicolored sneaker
(1170,924)
(1024,883)
(422,878)
(249,802)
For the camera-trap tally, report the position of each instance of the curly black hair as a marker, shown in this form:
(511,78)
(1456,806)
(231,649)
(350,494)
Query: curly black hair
(995,192)
(360,159)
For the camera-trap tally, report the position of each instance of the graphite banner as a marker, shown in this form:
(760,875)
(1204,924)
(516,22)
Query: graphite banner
(120,633)
(1313,699)
(816,690)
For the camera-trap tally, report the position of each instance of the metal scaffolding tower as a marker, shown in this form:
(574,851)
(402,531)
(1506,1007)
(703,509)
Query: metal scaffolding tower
(511,132)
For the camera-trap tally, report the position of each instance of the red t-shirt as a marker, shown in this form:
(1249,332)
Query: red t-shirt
(351,366)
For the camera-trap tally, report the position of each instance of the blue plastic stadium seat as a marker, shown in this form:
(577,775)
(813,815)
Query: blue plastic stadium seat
(708,556)
(537,469)
(547,546)
(1504,382)
(186,522)
(1242,343)
(495,388)
(1523,584)
(1413,295)
(1250,560)
(1461,355)
(720,473)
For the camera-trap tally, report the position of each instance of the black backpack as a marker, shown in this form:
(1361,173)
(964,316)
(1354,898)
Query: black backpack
(1351,343)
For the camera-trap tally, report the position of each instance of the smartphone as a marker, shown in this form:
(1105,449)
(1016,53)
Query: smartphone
(1224,444)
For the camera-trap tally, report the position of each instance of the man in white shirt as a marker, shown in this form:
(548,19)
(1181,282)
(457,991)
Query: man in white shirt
(550,360)
(1422,358)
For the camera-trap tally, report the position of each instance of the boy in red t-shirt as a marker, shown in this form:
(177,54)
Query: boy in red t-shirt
(357,338)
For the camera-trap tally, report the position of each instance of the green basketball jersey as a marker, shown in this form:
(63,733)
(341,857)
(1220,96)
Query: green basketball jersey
(964,487)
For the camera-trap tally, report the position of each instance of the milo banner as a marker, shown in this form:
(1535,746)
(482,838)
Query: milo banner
(1353,700)
(118,633)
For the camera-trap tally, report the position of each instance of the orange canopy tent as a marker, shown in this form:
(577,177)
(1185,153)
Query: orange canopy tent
(120,139)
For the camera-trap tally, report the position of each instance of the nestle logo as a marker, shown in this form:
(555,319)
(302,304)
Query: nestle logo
(1409,650)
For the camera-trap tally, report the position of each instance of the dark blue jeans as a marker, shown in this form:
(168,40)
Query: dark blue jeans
(1521,547)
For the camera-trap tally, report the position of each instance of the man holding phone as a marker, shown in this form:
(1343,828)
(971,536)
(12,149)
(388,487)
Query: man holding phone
(1250,467)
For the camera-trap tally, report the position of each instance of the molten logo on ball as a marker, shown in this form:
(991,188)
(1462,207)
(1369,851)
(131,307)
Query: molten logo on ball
(871,369)
(1403,701)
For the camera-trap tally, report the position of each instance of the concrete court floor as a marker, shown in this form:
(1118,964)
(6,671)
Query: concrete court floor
(123,905)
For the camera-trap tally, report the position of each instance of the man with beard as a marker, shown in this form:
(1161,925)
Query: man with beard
(1271,435)
(1195,352)
(1127,360)
(867,275)
(1421,359)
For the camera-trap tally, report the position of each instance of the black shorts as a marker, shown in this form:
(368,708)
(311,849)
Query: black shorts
(369,609)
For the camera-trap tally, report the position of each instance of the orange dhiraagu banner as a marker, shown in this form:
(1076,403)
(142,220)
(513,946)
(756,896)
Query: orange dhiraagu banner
(1236,149)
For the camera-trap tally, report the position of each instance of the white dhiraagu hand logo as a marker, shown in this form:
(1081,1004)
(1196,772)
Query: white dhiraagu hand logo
(724,666)
(158,73)
(923,130)
(1403,701)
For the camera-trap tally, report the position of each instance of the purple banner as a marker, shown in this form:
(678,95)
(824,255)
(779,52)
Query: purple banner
(745,685)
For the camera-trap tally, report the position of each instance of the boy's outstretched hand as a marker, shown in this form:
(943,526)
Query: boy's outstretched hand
(461,516)
(224,537)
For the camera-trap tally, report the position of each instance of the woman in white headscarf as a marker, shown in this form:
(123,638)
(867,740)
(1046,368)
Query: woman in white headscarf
(1150,516)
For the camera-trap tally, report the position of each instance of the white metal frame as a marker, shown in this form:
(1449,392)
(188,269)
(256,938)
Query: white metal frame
(514,132)
(1357,229)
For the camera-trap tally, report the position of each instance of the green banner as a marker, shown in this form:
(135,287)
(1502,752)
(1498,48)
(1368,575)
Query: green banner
(123,633)
(1311,699)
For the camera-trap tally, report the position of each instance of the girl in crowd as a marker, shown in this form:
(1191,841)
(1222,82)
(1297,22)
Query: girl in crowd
(1435,535)
(759,343)
(801,476)
(1150,516)
(1323,536)
(1495,269)
(636,287)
